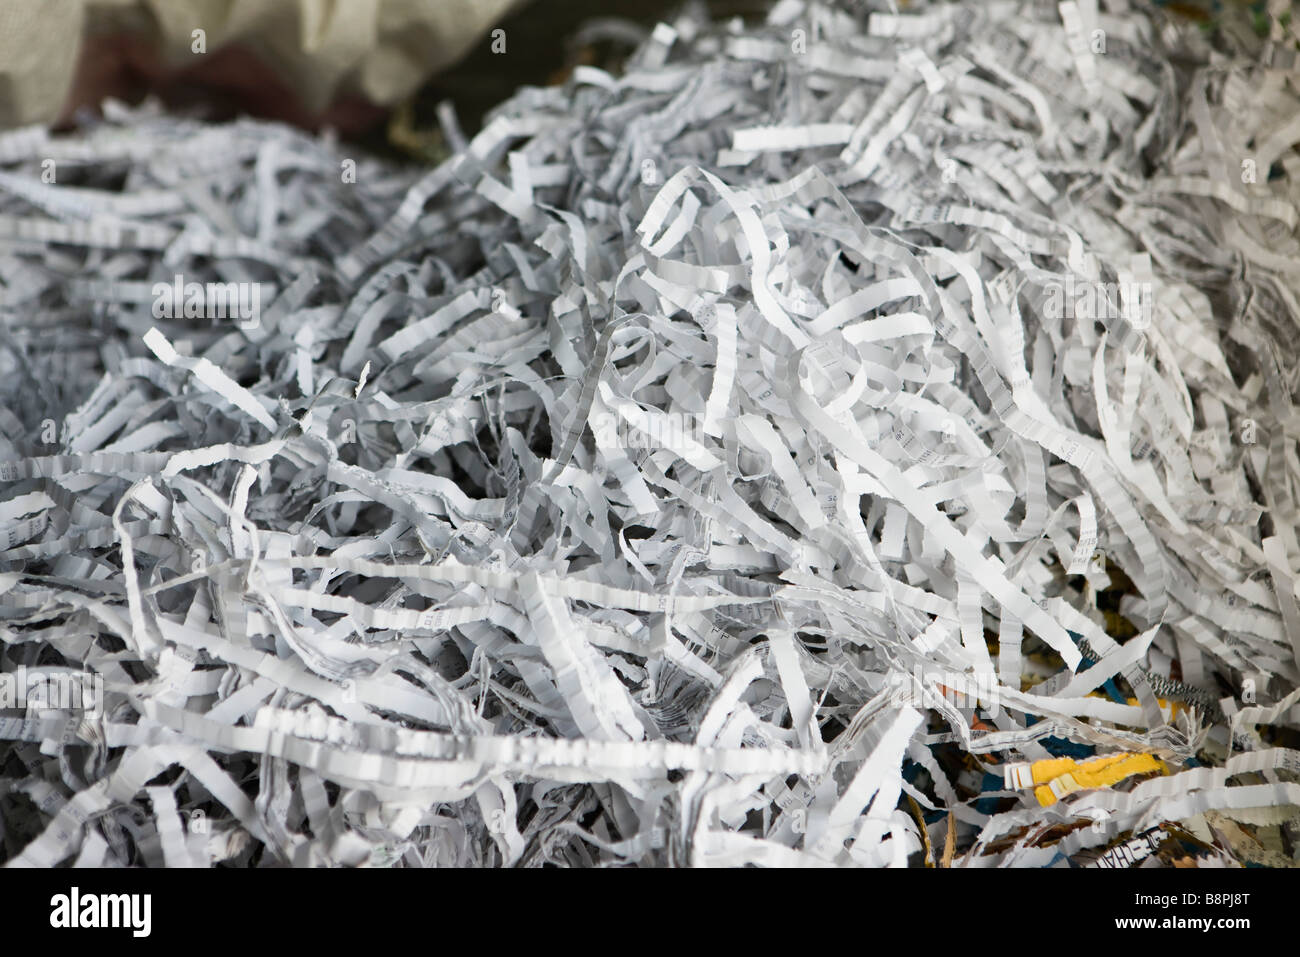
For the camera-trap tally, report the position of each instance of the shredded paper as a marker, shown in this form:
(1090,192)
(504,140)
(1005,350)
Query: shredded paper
(863,437)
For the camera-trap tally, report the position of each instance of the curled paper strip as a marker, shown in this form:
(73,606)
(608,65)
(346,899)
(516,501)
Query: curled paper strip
(744,459)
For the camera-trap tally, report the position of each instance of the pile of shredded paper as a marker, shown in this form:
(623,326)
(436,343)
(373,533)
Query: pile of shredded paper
(860,438)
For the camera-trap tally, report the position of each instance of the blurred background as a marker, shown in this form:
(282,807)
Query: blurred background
(374,70)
